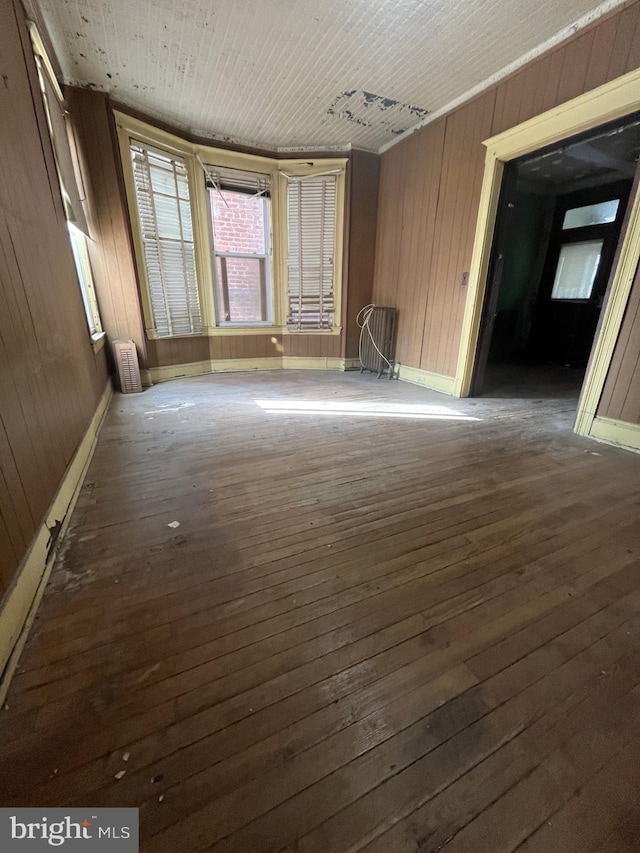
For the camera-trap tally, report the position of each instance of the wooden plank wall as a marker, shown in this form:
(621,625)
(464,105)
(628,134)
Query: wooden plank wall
(171,351)
(621,395)
(51,381)
(110,251)
(312,346)
(430,185)
(360,242)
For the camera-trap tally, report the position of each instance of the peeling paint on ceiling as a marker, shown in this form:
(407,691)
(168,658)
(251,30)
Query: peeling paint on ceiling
(287,74)
(368,110)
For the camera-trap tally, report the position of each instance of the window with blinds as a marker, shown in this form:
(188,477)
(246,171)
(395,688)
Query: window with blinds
(238,181)
(164,213)
(311,226)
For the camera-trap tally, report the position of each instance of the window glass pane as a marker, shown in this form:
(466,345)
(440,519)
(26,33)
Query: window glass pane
(591,214)
(81,260)
(240,289)
(238,222)
(576,270)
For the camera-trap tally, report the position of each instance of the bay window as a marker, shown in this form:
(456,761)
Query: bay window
(230,243)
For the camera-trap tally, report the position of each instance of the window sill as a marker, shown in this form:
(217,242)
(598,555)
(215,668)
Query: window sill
(227,331)
(218,331)
(334,330)
(98,340)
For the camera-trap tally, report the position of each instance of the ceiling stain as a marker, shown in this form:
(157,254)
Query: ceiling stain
(376,111)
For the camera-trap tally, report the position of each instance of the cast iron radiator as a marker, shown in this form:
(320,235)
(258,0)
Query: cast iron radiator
(378,339)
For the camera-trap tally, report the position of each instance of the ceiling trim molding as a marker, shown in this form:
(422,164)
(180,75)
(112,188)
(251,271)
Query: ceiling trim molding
(224,142)
(600,11)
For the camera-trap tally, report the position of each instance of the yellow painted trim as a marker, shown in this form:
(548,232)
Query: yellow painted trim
(201,243)
(98,340)
(40,51)
(176,371)
(96,321)
(605,343)
(352,364)
(435,381)
(620,433)
(20,603)
(238,365)
(614,100)
(302,168)
(485,226)
(227,331)
(291,362)
(44,67)
(200,368)
(334,330)
(138,248)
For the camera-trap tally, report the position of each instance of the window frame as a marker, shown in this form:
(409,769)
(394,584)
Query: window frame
(77,236)
(80,253)
(303,268)
(197,157)
(578,299)
(144,268)
(267,256)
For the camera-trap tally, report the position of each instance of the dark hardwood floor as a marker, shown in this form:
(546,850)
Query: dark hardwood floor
(408,628)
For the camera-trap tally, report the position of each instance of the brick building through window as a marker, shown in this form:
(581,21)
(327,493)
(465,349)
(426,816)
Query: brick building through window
(240,233)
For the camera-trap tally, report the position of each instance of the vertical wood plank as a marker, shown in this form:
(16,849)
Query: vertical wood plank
(431,253)
(50,381)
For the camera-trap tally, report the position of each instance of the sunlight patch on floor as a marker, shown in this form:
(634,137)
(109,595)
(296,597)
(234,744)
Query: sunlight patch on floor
(363,409)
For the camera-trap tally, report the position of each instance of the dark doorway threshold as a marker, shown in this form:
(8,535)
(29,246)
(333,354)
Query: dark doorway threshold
(522,380)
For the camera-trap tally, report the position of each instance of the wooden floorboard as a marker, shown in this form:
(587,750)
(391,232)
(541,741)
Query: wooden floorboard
(409,629)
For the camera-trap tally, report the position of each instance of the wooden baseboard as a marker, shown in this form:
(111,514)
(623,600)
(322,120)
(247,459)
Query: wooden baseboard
(290,362)
(237,365)
(20,603)
(435,381)
(620,433)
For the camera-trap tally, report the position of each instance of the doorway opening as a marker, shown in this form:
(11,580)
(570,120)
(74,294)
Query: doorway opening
(558,226)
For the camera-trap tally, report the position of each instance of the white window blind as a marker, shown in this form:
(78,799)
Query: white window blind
(311,224)
(238,180)
(164,211)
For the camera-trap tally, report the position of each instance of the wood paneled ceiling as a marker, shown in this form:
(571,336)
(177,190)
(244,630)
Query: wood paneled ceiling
(301,73)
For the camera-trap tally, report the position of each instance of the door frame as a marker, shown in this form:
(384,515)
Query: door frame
(614,100)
